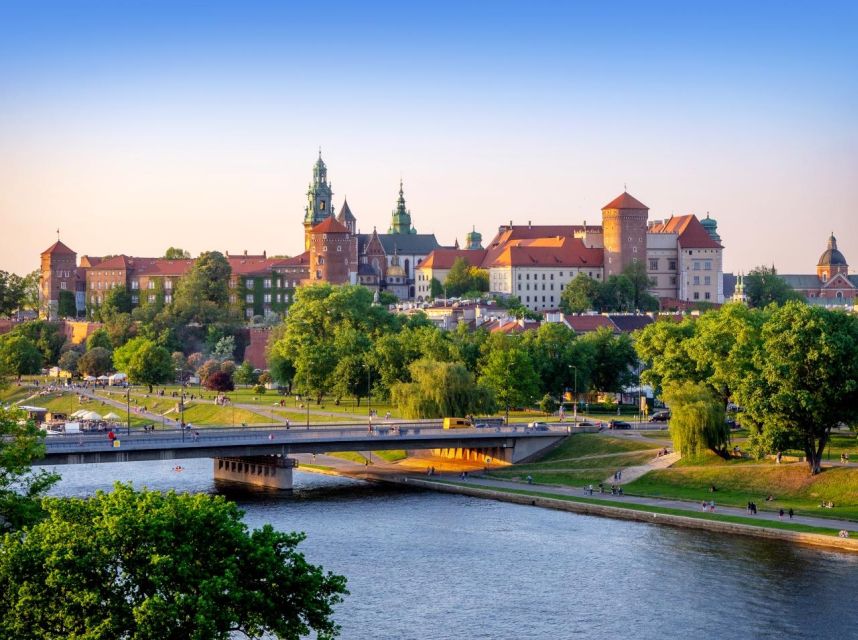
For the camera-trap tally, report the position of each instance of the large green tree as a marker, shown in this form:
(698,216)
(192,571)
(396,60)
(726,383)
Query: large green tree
(66,305)
(697,420)
(763,286)
(99,338)
(580,295)
(146,564)
(21,442)
(144,362)
(202,296)
(175,253)
(463,278)
(47,336)
(11,293)
(803,381)
(19,356)
(441,389)
(509,372)
(96,362)
(614,359)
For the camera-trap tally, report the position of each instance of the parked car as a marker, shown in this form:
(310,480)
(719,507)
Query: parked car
(620,424)
(537,426)
(584,423)
(660,416)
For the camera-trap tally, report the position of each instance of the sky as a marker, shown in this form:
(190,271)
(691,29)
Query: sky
(134,126)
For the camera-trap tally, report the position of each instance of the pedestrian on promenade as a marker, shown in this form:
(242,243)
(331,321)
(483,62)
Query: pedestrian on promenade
(791,513)
(781,514)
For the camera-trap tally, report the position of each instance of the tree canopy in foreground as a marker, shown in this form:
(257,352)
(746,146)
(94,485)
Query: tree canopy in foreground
(146,565)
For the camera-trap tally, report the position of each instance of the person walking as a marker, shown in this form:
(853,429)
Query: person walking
(791,513)
(781,514)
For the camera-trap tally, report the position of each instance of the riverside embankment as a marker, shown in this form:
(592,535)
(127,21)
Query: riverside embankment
(818,532)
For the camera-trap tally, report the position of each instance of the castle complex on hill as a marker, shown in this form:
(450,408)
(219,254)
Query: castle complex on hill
(682,255)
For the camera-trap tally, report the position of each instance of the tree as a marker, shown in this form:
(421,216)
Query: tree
(19,355)
(208,368)
(803,381)
(68,361)
(548,404)
(174,253)
(202,296)
(47,336)
(441,389)
(245,374)
(224,349)
(353,377)
(637,275)
(663,348)
(436,289)
(763,286)
(508,371)
(120,328)
(11,293)
(697,420)
(21,442)
(463,278)
(219,381)
(580,295)
(614,357)
(95,362)
(617,293)
(117,301)
(66,305)
(144,362)
(99,338)
(182,566)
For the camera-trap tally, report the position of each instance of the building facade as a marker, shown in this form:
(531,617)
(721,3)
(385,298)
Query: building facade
(831,285)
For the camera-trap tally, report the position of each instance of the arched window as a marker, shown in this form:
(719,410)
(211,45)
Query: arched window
(407,270)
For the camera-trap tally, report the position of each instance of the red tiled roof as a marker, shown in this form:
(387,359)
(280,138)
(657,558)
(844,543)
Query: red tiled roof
(162,267)
(117,262)
(247,265)
(692,234)
(294,261)
(554,252)
(444,258)
(586,324)
(59,248)
(625,201)
(329,225)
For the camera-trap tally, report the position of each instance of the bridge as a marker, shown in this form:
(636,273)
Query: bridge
(261,456)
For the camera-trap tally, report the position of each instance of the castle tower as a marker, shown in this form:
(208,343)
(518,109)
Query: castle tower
(711,226)
(401,219)
(346,218)
(831,262)
(57,273)
(624,221)
(318,199)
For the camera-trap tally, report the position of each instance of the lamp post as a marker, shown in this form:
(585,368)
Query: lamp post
(368,389)
(128,407)
(575,396)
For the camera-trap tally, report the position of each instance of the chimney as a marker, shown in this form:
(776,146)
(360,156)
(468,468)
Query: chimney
(528,224)
(245,252)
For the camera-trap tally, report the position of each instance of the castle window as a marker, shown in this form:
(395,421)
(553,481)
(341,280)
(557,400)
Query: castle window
(168,284)
(322,205)
(672,265)
(697,295)
(339,248)
(707,265)
(248,283)
(707,280)
(63,284)
(151,298)
(653,264)
(267,283)
(249,298)
(135,299)
(707,295)
(696,279)
(325,248)
(267,298)
(697,265)
(168,298)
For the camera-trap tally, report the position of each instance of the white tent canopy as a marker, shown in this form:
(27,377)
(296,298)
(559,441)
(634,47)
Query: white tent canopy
(90,378)
(111,416)
(117,377)
(91,415)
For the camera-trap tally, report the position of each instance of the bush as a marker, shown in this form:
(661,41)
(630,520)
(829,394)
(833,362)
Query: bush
(259,389)
(219,381)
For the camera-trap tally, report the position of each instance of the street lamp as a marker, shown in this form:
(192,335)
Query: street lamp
(575,396)
(368,389)
(128,407)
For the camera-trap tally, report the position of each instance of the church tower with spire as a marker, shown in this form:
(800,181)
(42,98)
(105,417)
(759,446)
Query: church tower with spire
(319,195)
(400,222)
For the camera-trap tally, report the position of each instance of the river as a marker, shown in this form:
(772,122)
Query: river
(424,565)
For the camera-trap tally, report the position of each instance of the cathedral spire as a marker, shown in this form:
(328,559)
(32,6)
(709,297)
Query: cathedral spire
(319,196)
(401,219)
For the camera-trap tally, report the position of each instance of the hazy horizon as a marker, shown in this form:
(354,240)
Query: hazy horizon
(132,129)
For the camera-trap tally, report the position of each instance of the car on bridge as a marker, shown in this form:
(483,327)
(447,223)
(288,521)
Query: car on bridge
(537,426)
(620,424)
(457,423)
(660,416)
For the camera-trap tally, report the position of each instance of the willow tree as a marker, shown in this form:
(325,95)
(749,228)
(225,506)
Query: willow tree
(441,389)
(697,419)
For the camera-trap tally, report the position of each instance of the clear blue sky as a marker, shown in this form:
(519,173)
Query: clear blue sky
(133,128)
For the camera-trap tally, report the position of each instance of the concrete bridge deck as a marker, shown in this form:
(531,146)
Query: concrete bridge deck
(252,442)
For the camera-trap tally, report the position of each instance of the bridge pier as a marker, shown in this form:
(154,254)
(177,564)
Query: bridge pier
(272,472)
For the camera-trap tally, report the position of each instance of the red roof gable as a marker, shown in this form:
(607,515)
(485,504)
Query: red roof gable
(587,324)
(329,225)
(162,267)
(59,248)
(560,252)
(692,234)
(625,201)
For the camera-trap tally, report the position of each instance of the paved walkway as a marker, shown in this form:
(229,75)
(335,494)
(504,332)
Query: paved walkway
(633,473)
(396,471)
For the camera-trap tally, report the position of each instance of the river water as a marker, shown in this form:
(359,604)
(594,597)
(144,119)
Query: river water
(424,565)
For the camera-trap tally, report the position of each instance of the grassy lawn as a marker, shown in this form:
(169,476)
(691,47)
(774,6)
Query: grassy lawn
(572,464)
(790,485)
(214,415)
(392,455)
(589,444)
(13,393)
(351,456)
(787,526)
